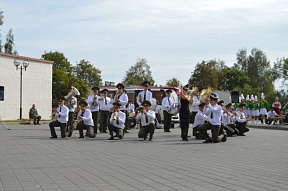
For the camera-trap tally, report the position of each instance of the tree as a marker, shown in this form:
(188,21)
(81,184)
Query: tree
(88,73)
(60,61)
(8,47)
(257,68)
(138,73)
(207,74)
(62,76)
(280,69)
(235,79)
(173,82)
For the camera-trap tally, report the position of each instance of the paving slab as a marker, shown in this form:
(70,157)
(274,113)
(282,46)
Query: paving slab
(29,160)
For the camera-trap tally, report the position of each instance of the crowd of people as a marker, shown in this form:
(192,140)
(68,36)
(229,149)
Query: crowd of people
(207,113)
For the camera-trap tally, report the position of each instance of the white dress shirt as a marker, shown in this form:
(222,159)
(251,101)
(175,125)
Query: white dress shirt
(123,101)
(194,107)
(241,118)
(165,103)
(121,120)
(200,118)
(62,116)
(148,97)
(226,118)
(91,101)
(131,108)
(271,114)
(87,117)
(103,106)
(142,117)
(217,111)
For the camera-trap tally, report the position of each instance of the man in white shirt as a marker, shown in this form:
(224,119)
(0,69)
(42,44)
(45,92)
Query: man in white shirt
(94,108)
(145,94)
(131,107)
(200,119)
(271,116)
(147,118)
(72,106)
(214,121)
(122,99)
(105,104)
(227,118)
(241,121)
(167,103)
(85,120)
(117,122)
(61,114)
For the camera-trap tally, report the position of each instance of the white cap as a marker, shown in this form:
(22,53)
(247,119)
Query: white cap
(252,97)
(255,99)
(242,96)
(262,96)
(247,98)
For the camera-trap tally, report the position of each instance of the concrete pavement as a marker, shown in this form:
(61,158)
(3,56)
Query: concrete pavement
(30,161)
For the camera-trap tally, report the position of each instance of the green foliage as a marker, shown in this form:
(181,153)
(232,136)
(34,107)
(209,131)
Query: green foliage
(280,69)
(138,73)
(1,18)
(173,82)
(88,73)
(235,79)
(207,74)
(8,47)
(62,76)
(60,61)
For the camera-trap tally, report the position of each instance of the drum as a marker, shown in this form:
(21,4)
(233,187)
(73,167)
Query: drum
(173,111)
(131,122)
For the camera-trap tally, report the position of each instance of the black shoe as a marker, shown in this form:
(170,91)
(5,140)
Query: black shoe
(70,134)
(81,137)
(38,123)
(53,137)
(111,138)
(126,131)
(224,139)
(145,138)
(208,141)
(150,139)
(241,134)
(93,136)
(167,131)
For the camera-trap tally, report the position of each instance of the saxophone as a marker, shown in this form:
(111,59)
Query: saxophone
(140,97)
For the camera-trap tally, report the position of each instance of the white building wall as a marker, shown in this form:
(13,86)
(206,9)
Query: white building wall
(36,88)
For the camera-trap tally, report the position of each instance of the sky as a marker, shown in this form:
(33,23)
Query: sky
(173,35)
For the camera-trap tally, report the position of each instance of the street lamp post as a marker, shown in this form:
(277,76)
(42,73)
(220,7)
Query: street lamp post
(25,64)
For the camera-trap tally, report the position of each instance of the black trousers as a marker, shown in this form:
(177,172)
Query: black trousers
(144,130)
(70,122)
(95,119)
(88,128)
(241,127)
(167,120)
(62,126)
(104,117)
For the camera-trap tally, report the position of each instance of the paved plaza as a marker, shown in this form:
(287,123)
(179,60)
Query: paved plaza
(30,161)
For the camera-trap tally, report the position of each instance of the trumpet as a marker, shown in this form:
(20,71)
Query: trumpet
(115,116)
(142,111)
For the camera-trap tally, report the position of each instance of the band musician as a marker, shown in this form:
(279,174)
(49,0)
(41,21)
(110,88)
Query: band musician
(144,95)
(117,122)
(85,120)
(94,108)
(167,103)
(61,114)
(147,118)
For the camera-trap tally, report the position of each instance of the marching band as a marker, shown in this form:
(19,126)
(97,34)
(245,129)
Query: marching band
(203,108)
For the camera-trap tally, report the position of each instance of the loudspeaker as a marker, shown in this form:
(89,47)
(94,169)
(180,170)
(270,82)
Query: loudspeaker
(1,93)
(234,96)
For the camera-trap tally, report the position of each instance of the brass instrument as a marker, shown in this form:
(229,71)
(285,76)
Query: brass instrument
(140,97)
(113,109)
(194,89)
(115,117)
(69,101)
(142,111)
(227,127)
(94,103)
(205,93)
(77,119)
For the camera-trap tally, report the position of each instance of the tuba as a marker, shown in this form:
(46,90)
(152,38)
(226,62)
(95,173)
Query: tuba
(69,101)
(194,89)
(94,104)
(205,93)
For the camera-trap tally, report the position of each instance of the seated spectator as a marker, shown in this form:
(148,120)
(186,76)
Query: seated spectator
(271,116)
(34,115)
